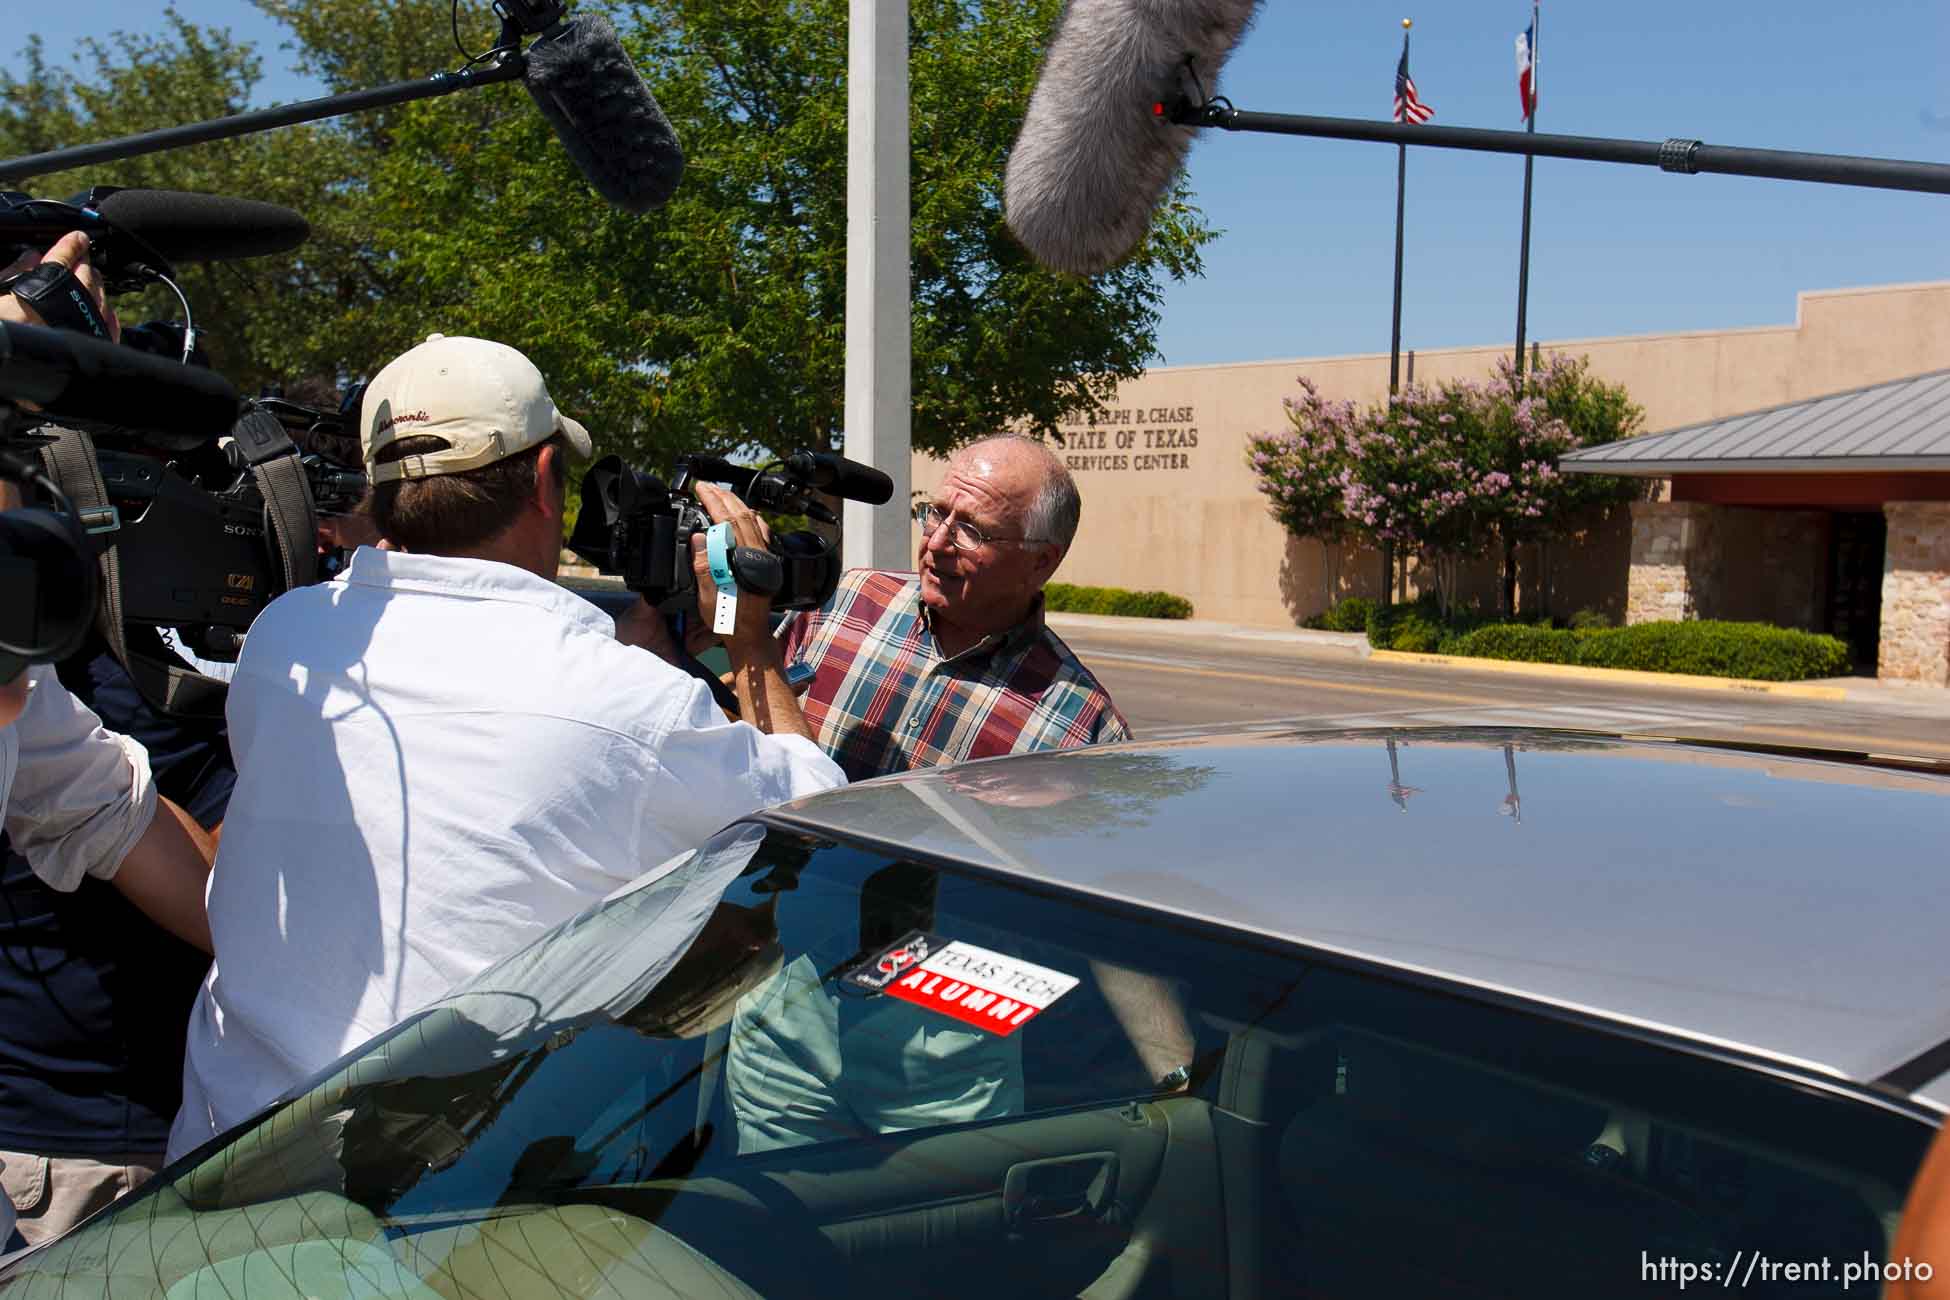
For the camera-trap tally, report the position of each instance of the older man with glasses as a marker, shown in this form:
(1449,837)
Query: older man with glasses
(954,661)
(912,670)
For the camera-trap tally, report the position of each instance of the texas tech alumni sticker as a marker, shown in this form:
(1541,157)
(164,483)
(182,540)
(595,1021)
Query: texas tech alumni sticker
(994,993)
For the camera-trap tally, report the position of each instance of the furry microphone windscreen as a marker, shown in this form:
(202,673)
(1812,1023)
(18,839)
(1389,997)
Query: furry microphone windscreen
(590,91)
(1093,159)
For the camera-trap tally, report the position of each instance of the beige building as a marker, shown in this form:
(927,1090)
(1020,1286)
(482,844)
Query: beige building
(1169,502)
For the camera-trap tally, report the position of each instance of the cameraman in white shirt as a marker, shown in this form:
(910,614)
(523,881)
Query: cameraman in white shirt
(441,753)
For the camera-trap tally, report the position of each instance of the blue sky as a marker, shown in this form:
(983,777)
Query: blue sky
(1305,264)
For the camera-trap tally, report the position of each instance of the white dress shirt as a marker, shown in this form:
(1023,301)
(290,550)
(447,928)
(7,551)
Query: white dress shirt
(77,795)
(437,760)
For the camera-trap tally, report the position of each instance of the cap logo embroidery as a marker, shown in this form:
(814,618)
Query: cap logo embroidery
(409,417)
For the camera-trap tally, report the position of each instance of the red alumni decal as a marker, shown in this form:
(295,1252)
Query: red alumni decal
(985,989)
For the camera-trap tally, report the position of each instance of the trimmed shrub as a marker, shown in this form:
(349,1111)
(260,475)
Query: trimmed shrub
(1586,620)
(1537,645)
(1702,647)
(1349,615)
(1415,628)
(1065,598)
(1713,648)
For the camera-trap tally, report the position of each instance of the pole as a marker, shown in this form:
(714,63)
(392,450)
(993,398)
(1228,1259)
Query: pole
(1529,163)
(1395,337)
(508,67)
(1680,156)
(879,337)
(1395,330)
(1401,193)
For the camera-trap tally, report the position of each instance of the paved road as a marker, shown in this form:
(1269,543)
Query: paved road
(1172,686)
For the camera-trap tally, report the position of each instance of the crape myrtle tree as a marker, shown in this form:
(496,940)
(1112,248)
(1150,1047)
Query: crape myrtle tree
(1448,472)
(1532,421)
(716,323)
(1300,470)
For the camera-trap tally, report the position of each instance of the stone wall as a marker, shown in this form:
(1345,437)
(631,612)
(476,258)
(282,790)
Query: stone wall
(1916,594)
(1678,561)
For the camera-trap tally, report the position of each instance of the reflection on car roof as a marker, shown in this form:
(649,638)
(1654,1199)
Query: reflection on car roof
(1778,904)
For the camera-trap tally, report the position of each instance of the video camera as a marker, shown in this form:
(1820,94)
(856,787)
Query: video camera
(633,525)
(196,506)
(47,574)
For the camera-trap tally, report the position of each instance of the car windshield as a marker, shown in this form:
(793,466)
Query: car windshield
(787,1065)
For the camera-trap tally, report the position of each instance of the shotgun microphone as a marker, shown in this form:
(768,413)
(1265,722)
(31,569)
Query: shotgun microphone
(69,375)
(1097,149)
(134,233)
(842,477)
(186,227)
(585,84)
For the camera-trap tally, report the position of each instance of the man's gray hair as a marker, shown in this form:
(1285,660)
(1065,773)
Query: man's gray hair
(1058,508)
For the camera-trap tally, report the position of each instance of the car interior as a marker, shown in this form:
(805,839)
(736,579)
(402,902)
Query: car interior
(1345,1132)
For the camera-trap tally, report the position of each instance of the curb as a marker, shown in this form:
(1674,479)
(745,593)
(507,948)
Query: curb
(1684,681)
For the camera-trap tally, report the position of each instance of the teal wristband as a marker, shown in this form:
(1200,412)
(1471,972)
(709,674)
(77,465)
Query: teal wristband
(717,550)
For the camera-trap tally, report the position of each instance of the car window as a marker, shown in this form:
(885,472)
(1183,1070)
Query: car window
(1434,1146)
(789,1066)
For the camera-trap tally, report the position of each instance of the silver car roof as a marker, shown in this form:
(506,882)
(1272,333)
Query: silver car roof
(1780,905)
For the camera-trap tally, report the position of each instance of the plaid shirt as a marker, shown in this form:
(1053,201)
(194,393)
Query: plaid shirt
(884,699)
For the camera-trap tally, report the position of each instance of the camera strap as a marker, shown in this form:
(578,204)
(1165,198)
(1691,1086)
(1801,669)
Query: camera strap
(290,519)
(163,682)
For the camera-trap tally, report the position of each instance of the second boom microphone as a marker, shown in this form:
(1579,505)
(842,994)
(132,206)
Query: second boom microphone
(586,85)
(1095,156)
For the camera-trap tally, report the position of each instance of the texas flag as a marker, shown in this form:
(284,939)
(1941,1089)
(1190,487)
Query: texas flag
(1527,69)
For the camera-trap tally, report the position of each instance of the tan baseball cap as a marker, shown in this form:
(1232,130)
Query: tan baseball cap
(486,399)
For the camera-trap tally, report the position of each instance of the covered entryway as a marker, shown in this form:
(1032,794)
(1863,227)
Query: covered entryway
(1831,515)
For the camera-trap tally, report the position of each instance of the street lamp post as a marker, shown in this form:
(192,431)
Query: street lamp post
(879,342)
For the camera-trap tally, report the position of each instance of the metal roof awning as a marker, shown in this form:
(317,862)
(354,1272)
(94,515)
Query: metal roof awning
(1902,425)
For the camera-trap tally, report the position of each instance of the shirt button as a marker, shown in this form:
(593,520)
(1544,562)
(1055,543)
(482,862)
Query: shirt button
(914,723)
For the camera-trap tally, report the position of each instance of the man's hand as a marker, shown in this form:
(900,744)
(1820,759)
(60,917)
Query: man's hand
(71,251)
(747,529)
(643,626)
(757,669)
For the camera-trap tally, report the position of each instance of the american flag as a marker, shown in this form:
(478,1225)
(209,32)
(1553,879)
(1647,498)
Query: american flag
(1407,107)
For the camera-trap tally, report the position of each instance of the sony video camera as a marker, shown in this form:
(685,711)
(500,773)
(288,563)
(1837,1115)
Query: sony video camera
(634,526)
(198,504)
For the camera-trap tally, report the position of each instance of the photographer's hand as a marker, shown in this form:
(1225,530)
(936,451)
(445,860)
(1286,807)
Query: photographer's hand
(70,251)
(757,668)
(644,627)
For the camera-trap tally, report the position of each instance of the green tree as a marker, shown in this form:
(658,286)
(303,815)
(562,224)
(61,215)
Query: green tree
(716,323)
(1558,407)
(719,321)
(259,319)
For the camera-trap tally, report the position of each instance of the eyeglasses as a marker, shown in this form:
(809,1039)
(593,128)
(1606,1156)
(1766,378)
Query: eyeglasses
(962,535)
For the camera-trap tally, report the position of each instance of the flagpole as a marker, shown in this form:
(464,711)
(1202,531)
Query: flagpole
(1529,163)
(1401,191)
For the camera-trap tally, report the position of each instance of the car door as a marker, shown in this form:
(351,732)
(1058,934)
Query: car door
(1041,1163)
